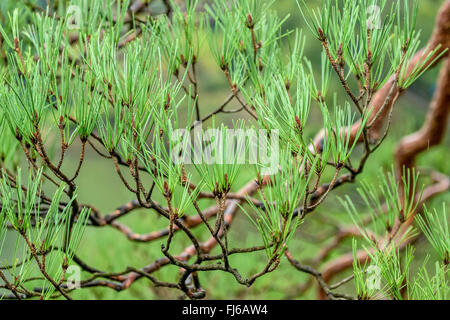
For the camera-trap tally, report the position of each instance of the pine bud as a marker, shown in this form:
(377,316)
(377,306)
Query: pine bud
(339,52)
(222,63)
(405,46)
(167,104)
(299,124)
(250,21)
(18,135)
(321,35)
(287,84)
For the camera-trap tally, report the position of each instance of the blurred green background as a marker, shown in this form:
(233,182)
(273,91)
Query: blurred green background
(108,249)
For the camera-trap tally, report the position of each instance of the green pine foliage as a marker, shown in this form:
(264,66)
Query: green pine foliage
(120,83)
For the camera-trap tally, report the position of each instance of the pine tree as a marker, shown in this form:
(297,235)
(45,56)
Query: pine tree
(121,81)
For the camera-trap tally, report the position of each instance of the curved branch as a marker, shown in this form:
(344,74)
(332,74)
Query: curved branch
(434,128)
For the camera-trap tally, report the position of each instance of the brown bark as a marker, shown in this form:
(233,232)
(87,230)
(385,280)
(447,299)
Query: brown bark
(434,128)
